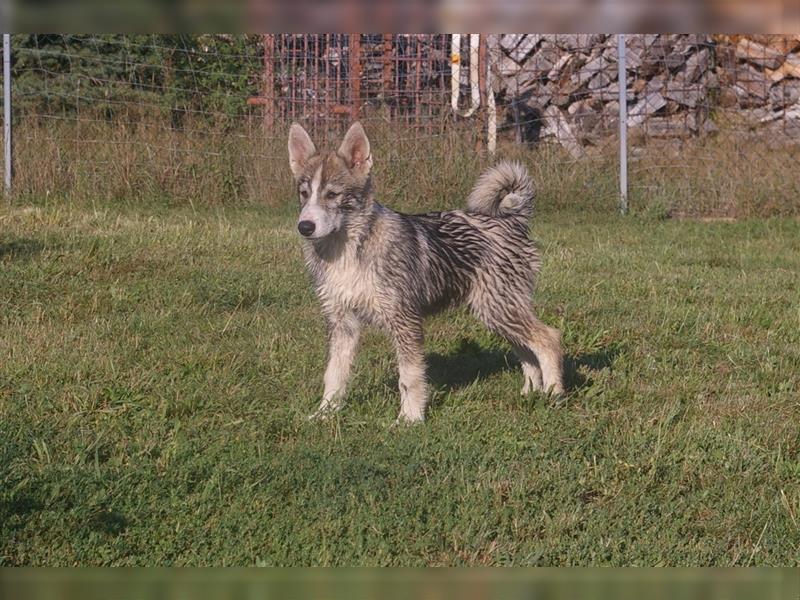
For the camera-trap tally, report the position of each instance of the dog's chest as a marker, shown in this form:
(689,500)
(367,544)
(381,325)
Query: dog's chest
(349,283)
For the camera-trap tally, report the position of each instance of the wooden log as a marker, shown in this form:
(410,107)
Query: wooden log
(781,43)
(785,93)
(544,59)
(776,75)
(697,64)
(537,94)
(586,119)
(593,67)
(792,65)
(668,127)
(686,94)
(555,72)
(540,63)
(634,51)
(761,115)
(506,67)
(601,80)
(750,85)
(525,47)
(523,81)
(557,125)
(637,87)
(696,40)
(727,97)
(509,41)
(578,41)
(656,56)
(758,54)
(610,93)
(647,106)
(656,84)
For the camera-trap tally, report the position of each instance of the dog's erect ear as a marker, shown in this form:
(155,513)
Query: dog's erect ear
(301,148)
(355,150)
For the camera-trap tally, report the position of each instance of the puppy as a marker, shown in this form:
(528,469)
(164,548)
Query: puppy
(374,266)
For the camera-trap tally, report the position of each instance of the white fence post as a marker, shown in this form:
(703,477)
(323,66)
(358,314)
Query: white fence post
(622,80)
(491,109)
(7,108)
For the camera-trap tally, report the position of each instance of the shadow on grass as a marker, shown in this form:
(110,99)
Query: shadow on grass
(22,248)
(575,366)
(19,506)
(466,364)
(471,362)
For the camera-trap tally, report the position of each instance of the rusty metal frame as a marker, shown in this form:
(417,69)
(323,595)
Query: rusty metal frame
(324,79)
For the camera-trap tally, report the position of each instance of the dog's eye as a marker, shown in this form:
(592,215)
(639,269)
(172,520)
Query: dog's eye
(304,194)
(331,195)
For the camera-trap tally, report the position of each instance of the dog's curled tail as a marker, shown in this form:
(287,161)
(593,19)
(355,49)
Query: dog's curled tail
(503,190)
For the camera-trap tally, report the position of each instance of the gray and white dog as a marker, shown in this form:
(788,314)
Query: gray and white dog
(372,265)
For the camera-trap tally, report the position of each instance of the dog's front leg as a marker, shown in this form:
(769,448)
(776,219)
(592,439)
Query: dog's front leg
(411,367)
(343,341)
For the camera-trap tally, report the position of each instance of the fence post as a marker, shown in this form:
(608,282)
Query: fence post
(491,110)
(7,108)
(387,70)
(269,82)
(622,80)
(355,74)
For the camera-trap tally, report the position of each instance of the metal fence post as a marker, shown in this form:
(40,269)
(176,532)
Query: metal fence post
(622,80)
(7,108)
(269,82)
(355,75)
(491,110)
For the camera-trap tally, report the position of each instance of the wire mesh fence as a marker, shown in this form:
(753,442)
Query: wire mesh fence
(197,115)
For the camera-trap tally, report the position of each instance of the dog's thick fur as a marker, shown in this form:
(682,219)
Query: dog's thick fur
(372,265)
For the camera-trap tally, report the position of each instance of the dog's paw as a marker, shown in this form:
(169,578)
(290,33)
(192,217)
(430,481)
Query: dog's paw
(406,420)
(554,390)
(531,385)
(324,412)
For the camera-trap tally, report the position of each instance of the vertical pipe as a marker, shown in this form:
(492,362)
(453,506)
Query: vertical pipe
(455,74)
(387,73)
(289,51)
(305,99)
(482,66)
(318,83)
(269,82)
(474,70)
(327,79)
(622,80)
(337,67)
(455,71)
(418,82)
(481,85)
(355,74)
(491,110)
(7,107)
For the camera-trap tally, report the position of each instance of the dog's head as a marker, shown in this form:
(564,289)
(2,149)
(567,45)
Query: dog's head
(331,185)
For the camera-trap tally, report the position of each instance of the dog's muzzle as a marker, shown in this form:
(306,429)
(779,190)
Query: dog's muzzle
(306,228)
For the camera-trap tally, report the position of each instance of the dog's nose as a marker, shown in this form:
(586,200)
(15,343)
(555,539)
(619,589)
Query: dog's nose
(306,228)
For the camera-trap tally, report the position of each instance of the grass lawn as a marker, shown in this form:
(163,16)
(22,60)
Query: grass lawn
(158,364)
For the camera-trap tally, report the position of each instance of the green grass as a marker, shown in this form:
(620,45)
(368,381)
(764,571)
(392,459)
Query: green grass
(158,364)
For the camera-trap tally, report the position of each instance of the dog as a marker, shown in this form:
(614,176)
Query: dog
(374,266)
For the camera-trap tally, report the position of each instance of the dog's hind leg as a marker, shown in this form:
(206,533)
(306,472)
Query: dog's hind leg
(408,339)
(517,323)
(545,343)
(530,370)
(343,342)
